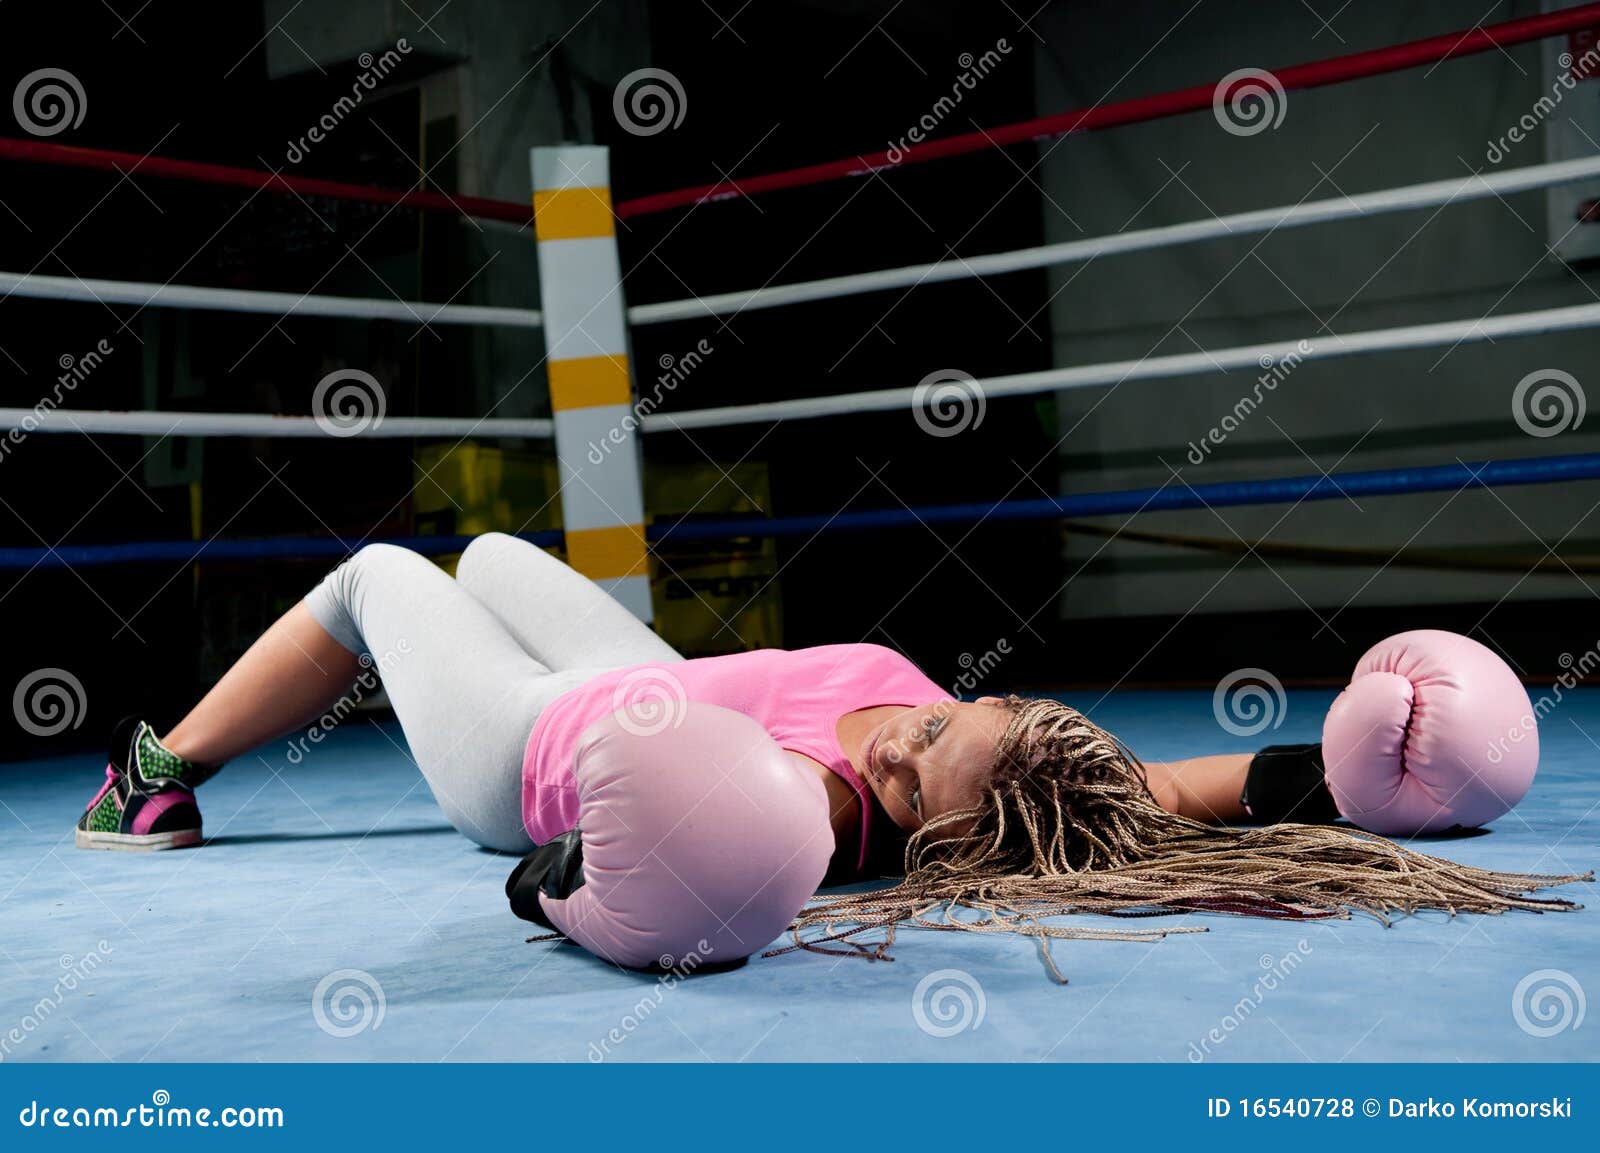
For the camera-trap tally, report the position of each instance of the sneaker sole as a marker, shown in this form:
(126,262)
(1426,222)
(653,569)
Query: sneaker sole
(129,843)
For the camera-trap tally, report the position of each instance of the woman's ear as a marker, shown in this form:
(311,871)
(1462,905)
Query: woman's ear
(990,701)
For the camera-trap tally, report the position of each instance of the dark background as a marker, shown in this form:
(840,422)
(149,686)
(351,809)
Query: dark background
(146,638)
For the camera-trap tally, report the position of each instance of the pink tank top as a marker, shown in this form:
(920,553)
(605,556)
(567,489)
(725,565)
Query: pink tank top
(797,695)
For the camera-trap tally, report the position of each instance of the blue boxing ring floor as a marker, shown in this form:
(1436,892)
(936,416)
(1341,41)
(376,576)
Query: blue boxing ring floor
(334,915)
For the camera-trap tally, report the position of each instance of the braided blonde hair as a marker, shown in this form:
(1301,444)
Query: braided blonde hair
(1068,825)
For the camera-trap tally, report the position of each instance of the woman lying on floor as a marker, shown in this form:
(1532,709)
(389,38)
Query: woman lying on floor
(1014,806)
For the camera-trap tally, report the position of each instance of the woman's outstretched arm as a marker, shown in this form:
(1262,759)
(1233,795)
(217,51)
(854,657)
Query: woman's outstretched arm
(293,672)
(1204,788)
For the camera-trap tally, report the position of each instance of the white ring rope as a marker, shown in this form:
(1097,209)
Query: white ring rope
(1251,357)
(1439,192)
(51,420)
(1415,196)
(285,304)
(256,424)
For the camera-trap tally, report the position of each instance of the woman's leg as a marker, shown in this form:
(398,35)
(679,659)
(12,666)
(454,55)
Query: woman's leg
(465,692)
(1204,789)
(559,616)
(293,672)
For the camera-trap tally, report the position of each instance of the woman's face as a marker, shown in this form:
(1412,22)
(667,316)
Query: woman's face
(933,759)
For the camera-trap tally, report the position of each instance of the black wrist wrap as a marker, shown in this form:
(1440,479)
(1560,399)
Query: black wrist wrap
(555,869)
(1287,783)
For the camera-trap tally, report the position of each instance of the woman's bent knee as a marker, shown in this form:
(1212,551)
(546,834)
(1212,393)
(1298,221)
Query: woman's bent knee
(480,552)
(337,602)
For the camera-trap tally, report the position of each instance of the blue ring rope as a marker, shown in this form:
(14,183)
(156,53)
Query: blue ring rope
(1379,482)
(1389,481)
(259,548)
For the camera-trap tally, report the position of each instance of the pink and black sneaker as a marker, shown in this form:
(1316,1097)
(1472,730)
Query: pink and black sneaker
(148,800)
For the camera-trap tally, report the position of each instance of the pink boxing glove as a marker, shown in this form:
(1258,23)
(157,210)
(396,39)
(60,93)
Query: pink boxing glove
(697,843)
(1434,731)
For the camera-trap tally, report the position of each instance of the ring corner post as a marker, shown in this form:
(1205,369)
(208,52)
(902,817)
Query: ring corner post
(591,382)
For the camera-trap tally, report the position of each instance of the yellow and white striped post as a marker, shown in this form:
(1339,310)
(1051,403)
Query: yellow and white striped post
(591,387)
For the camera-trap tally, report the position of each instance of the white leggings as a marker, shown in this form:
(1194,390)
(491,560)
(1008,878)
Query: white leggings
(469,663)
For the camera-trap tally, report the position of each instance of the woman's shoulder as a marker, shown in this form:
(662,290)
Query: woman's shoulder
(857,654)
(858,648)
(820,662)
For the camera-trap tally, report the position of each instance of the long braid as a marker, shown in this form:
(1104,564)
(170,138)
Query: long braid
(1068,825)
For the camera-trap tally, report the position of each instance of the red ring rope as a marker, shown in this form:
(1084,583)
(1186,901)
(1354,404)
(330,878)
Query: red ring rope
(45,152)
(1353,66)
